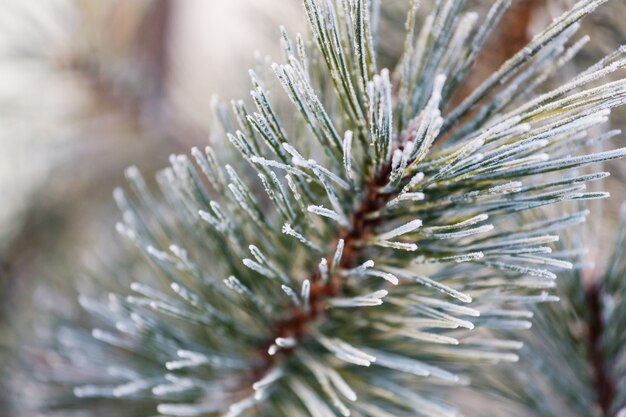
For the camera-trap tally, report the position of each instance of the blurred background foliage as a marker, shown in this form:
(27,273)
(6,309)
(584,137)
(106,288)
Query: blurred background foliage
(88,87)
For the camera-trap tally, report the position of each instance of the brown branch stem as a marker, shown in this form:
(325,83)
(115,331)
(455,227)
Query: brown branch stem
(604,385)
(296,324)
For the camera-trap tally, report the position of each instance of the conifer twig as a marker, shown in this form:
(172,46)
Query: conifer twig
(418,259)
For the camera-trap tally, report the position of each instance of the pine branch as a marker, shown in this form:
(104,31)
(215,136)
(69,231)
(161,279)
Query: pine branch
(338,264)
(574,352)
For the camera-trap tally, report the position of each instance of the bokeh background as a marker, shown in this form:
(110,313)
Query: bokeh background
(89,87)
